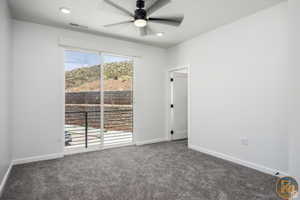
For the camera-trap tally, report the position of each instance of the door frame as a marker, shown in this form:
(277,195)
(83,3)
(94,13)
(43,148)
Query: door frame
(78,150)
(170,113)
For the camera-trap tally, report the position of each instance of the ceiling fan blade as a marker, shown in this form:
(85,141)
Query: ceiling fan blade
(156,6)
(144,31)
(120,8)
(172,20)
(119,23)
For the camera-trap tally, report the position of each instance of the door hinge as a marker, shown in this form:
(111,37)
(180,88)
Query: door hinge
(172,132)
(172,105)
(172,79)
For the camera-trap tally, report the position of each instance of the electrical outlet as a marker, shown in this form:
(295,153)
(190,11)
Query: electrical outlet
(245,141)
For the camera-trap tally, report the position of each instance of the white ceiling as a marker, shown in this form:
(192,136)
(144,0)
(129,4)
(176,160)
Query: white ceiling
(200,16)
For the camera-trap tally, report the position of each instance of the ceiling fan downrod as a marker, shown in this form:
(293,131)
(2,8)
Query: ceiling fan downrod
(140,12)
(140,4)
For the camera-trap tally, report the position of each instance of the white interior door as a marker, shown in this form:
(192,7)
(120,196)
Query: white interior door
(180,109)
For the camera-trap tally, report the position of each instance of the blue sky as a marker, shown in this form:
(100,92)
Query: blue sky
(76,59)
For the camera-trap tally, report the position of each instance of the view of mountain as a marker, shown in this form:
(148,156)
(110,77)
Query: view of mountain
(117,76)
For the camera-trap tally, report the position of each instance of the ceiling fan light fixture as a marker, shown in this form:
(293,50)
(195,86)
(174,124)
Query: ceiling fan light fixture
(140,23)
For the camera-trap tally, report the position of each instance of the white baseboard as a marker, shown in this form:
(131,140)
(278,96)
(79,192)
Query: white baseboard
(37,158)
(178,135)
(251,165)
(93,148)
(151,141)
(5,178)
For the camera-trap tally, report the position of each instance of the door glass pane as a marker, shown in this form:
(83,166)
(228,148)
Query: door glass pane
(118,98)
(82,99)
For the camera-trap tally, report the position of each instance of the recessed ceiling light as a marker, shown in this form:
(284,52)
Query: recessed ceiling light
(65,10)
(159,34)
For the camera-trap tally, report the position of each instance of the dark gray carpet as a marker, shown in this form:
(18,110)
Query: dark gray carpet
(165,171)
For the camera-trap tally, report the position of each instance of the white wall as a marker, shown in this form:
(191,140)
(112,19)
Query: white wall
(39,94)
(5,69)
(294,6)
(239,88)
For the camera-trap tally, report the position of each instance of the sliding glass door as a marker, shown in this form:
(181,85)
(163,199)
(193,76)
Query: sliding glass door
(118,98)
(98,100)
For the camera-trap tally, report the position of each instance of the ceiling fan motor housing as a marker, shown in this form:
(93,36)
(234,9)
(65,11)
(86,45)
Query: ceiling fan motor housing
(140,12)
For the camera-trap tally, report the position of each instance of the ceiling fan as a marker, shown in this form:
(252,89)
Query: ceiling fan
(140,17)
